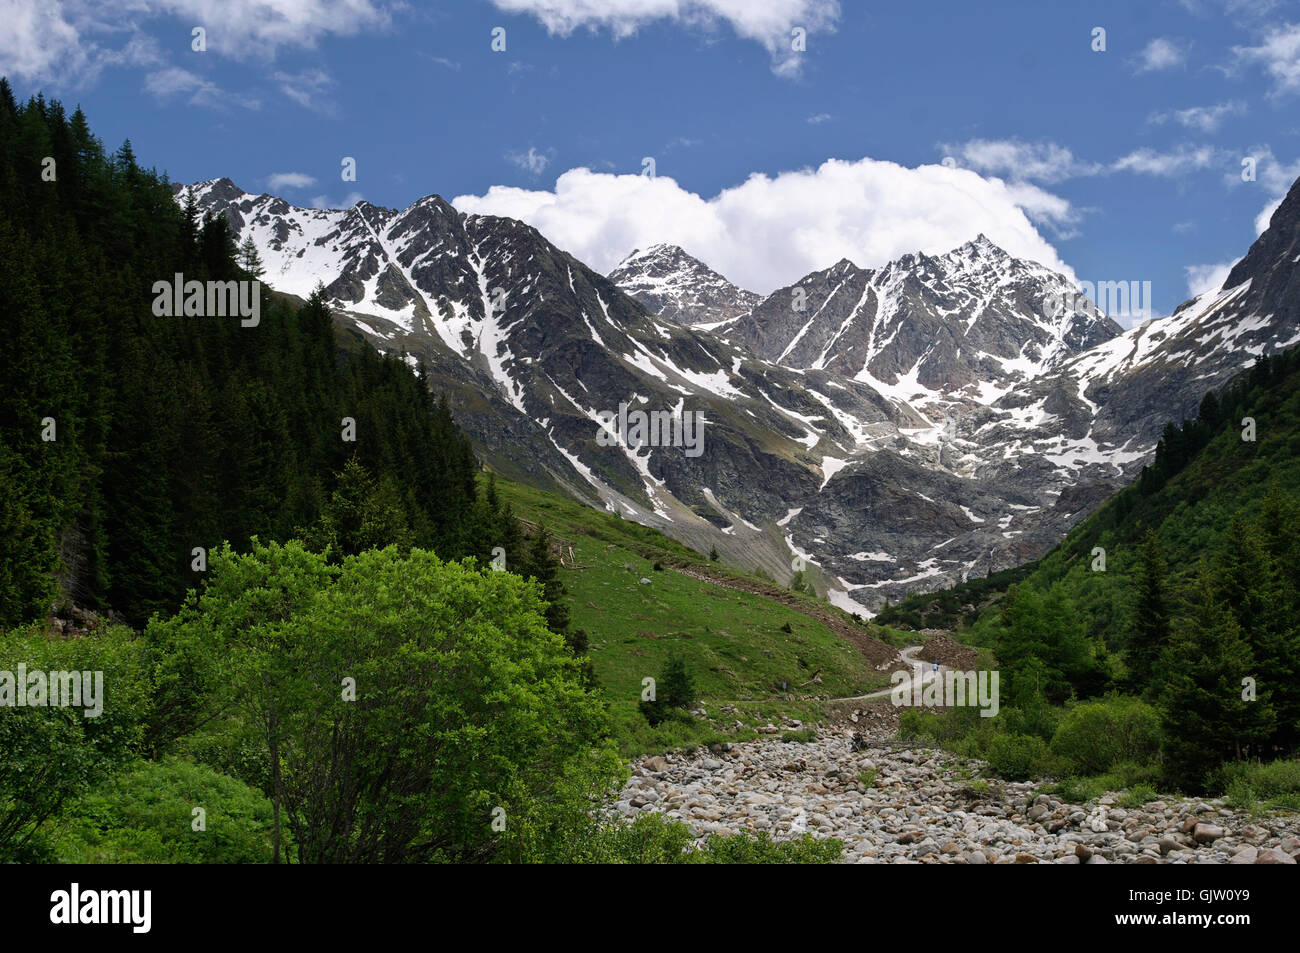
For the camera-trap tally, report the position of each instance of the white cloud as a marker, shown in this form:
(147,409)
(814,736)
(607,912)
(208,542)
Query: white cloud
(289,180)
(1275,176)
(255,29)
(1266,214)
(173,82)
(324,201)
(1253,9)
(306,88)
(532,161)
(443,61)
(72,40)
(769,231)
(818,118)
(1203,278)
(1177,162)
(1279,54)
(38,41)
(1201,118)
(1161,53)
(53,41)
(768,22)
(1021,161)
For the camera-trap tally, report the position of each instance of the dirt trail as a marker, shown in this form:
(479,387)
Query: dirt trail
(922,674)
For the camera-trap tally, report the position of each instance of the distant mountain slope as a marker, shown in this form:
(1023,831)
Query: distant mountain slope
(1204,475)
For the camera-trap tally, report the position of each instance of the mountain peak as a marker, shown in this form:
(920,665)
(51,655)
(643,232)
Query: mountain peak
(1277,249)
(671,282)
(984,246)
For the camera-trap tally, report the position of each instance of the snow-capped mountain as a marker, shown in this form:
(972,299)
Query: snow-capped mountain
(906,426)
(676,286)
(967,325)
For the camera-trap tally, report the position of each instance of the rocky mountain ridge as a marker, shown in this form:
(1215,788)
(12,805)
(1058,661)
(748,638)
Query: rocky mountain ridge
(903,427)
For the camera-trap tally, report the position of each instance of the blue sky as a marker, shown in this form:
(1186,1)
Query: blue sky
(901,126)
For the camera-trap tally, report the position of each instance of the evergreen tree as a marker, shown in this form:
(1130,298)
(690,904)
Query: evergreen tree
(542,565)
(1201,675)
(1151,613)
(250,262)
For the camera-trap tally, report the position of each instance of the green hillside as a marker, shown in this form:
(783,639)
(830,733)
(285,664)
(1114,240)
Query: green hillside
(731,631)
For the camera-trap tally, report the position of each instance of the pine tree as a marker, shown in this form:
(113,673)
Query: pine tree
(545,568)
(1151,613)
(1250,580)
(249,260)
(1201,676)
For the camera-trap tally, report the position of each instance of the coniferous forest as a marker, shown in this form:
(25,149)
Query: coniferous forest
(172,433)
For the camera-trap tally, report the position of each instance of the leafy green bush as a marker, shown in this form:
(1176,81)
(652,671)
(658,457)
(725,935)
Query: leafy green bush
(653,839)
(146,816)
(1126,774)
(49,755)
(412,709)
(1035,717)
(1275,781)
(1080,790)
(802,736)
(1138,795)
(1017,757)
(760,849)
(1094,736)
(1241,795)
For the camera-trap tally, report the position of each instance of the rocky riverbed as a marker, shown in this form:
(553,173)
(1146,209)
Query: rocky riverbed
(891,803)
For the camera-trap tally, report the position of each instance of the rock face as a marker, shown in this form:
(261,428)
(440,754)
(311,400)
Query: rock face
(903,428)
(673,285)
(891,803)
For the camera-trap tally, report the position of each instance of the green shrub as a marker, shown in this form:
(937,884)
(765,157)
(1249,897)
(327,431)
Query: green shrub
(1271,781)
(146,816)
(52,755)
(653,839)
(1017,757)
(1241,795)
(1094,736)
(405,698)
(1127,774)
(1079,790)
(760,849)
(1138,795)
(867,778)
(802,736)
(1035,717)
